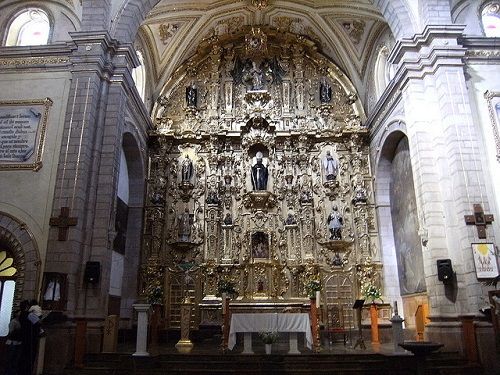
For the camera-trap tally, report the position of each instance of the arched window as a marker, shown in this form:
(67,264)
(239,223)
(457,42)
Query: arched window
(31,27)
(382,76)
(139,76)
(490,18)
(7,288)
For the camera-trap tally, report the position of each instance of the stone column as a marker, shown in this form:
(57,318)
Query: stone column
(142,329)
(445,151)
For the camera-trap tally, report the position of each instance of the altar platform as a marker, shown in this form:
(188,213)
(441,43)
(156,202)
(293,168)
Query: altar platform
(207,357)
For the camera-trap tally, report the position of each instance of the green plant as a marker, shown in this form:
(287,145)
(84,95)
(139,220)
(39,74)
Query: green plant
(269,337)
(373,293)
(226,286)
(312,287)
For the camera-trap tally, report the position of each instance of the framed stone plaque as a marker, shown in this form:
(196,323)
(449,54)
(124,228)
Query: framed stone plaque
(23,125)
(485,260)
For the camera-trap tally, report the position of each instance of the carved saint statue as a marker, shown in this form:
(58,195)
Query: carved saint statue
(360,194)
(184,223)
(330,166)
(187,169)
(191,95)
(259,174)
(228,219)
(325,92)
(335,223)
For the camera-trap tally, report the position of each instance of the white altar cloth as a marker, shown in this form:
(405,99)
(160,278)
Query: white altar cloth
(270,322)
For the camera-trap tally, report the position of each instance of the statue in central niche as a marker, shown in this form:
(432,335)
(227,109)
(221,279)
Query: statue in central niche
(259,174)
(257,75)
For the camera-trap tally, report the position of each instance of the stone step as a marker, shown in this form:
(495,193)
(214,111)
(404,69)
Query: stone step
(118,364)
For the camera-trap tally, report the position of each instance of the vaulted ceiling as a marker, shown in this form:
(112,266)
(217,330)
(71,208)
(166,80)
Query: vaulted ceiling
(345,31)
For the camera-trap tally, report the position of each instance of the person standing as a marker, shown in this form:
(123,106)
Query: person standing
(13,346)
(30,333)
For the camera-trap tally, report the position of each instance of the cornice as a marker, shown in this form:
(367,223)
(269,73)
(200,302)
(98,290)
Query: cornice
(481,49)
(384,107)
(54,55)
(425,39)
(58,49)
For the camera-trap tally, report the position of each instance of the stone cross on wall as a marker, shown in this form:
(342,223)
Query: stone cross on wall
(479,219)
(63,222)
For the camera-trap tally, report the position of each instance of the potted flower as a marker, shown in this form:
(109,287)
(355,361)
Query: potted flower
(373,293)
(312,287)
(269,338)
(226,286)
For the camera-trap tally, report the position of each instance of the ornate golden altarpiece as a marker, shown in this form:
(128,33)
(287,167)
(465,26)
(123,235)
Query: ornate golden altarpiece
(212,217)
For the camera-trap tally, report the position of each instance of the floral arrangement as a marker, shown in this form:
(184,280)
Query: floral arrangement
(372,292)
(155,295)
(312,287)
(226,286)
(269,337)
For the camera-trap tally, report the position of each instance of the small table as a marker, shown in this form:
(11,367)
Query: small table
(270,322)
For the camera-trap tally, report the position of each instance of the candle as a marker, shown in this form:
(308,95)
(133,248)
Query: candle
(318,296)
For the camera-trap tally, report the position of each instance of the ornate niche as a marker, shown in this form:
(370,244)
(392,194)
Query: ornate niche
(255,146)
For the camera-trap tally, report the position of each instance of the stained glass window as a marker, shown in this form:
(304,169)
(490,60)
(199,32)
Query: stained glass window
(7,288)
(31,27)
(490,17)
(139,76)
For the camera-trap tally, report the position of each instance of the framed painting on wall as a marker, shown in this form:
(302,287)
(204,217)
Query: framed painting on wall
(493,99)
(485,260)
(260,245)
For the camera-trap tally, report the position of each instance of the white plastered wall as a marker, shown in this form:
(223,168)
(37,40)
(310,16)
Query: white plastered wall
(484,78)
(28,195)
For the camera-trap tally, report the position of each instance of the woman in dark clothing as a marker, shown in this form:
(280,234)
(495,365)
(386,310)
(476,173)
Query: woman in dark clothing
(30,332)
(13,345)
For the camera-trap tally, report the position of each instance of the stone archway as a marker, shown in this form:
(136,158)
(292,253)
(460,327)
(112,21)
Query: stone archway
(16,236)
(136,175)
(399,224)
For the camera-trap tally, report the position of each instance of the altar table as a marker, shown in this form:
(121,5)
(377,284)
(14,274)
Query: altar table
(270,322)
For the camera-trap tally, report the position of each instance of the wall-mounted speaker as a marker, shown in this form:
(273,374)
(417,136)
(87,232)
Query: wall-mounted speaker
(445,271)
(92,272)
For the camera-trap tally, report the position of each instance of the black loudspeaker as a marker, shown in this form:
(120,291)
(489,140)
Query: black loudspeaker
(92,272)
(445,271)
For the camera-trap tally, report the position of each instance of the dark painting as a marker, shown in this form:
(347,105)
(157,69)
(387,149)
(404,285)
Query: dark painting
(405,223)
(260,245)
(120,226)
